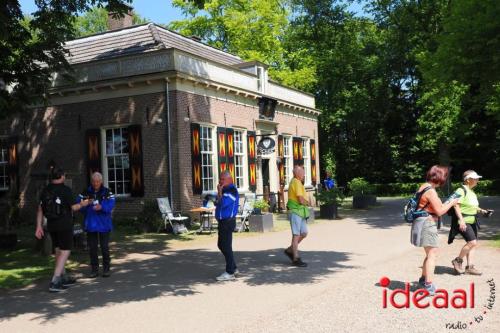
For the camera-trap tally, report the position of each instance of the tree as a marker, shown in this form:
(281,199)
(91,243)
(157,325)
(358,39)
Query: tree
(252,29)
(96,21)
(30,55)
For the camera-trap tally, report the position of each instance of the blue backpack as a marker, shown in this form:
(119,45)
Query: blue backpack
(411,211)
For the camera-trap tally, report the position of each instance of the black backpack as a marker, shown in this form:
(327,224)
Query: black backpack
(52,206)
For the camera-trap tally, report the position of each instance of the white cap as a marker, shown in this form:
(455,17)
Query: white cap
(473,175)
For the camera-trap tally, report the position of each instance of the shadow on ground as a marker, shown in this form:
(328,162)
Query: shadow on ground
(171,273)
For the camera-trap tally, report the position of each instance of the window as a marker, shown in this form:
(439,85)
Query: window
(4,176)
(307,162)
(287,158)
(116,161)
(207,158)
(239,159)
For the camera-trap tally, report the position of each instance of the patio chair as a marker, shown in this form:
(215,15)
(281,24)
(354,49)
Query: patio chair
(176,222)
(247,210)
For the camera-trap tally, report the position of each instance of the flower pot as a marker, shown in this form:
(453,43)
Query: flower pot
(363,201)
(8,241)
(261,223)
(328,212)
(257,211)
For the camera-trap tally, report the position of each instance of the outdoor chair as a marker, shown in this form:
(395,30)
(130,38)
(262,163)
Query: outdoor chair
(176,222)
(247,210)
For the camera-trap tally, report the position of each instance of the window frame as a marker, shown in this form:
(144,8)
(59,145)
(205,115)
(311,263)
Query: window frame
(104,160)
(215,165)
(244,157)
(288,158)
(306,157)
(4,165)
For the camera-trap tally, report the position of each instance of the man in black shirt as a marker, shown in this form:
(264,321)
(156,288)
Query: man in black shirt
(56,204)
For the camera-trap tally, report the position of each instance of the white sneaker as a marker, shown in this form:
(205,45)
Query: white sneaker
(225,277)
(236,272)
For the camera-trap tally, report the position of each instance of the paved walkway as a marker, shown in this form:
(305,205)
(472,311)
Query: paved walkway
(173,289)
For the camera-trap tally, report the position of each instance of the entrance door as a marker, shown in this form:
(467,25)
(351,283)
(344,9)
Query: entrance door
(265,173)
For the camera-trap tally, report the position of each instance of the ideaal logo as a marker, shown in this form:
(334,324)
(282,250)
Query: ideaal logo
(442,299)
(458,298)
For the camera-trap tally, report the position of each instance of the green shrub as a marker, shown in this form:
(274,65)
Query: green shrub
(329,197)
(360,186)
(484,187)
(149,220)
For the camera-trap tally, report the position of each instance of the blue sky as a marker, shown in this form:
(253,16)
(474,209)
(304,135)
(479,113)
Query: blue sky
(158,11)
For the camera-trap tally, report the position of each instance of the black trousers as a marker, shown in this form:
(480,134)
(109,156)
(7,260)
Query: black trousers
(93,240)
(225,242)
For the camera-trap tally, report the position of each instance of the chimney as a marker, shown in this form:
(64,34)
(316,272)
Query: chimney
(118,22)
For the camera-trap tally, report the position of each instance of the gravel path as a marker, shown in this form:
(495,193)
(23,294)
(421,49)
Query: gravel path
(173,290)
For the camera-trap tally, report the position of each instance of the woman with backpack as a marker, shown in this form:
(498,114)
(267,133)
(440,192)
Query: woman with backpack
(464,222)
(424,228)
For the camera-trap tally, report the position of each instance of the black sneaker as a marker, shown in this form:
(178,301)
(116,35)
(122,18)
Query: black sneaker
(106,272)
(93,274)
(68,280)
(57,287)
(288,254)
(299,263)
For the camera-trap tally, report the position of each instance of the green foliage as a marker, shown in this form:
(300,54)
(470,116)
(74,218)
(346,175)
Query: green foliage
(359,186)
(149,220)
(30,55)
(335,196)
(261,204)
(484,187)
(96,20)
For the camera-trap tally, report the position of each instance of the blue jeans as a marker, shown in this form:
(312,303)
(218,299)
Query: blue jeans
(225,242)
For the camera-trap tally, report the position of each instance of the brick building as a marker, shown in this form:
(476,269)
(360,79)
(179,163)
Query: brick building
(160,114)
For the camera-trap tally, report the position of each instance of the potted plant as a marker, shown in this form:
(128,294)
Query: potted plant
(362,193)
(329,201)
(259,222)
(259,206)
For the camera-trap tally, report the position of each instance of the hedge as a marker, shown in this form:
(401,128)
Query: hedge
(484,187)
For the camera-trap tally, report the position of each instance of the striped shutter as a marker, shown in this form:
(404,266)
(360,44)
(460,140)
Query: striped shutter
(298,158)
(222,149)
(13,166)
(135,158)
(252,161)
(313,162)
(281,155)
(230,151)
(93,142)
(196,158)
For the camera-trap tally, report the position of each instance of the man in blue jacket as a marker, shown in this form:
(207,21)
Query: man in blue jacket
(98,223)
(226,209)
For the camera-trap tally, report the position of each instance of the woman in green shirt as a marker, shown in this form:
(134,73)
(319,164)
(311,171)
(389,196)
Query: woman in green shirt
(464,222)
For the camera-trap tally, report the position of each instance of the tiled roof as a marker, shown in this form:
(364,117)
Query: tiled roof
(140,39)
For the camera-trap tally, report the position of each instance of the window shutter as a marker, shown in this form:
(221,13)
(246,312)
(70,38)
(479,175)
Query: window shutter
(230,151)
(222,149)
(135,159)
(313,161)
(297,152)
(13,166)
(196,158)
(281,156)
(93,142)
(252,162)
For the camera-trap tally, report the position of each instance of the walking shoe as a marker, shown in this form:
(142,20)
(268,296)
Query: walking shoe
(68,280)
(93,274)
(288,254)
(225,277)
(431,288)
(457,265)
(106,272)
(472,270)
(299,263)
(56,287)
(421,281)
(236,272)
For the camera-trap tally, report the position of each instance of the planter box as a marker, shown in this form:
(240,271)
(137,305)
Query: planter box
(363,201)
(261,223)
(328,212)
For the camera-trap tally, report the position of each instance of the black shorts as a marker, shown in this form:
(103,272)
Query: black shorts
(62,239)
(470,232)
